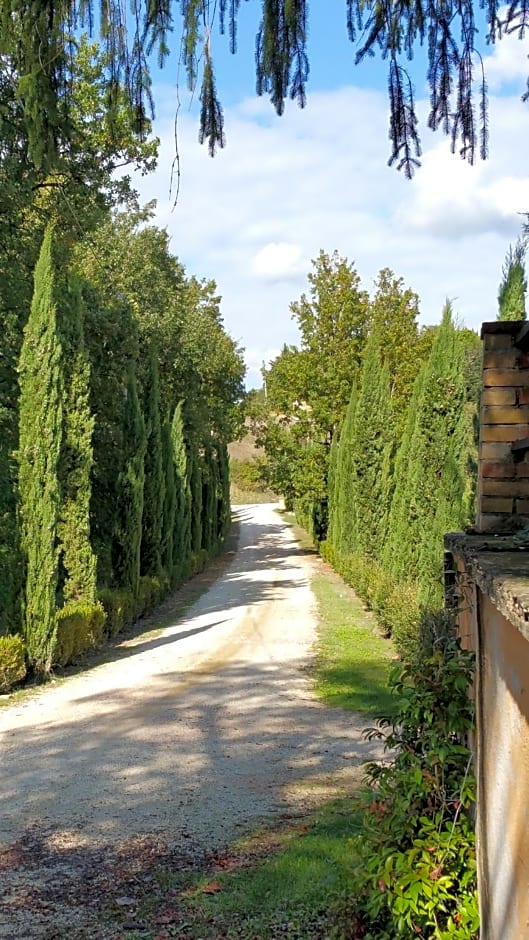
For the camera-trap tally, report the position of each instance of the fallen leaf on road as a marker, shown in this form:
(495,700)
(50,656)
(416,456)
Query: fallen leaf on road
(211,888)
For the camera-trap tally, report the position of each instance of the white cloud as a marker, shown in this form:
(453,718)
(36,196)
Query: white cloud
(508,61)
(278,261)
(317,179)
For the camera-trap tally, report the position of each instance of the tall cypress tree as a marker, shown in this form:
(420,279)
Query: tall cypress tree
(111,338)
(372,438)
(41,426)
(182,518)
(154,488)
(10,560)
(430,466)
(195,484)
(344,510)
(77,560)
(170,505)
(129,512)
(223,505)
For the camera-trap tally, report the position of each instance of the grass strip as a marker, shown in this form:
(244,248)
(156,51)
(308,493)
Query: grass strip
(353,660)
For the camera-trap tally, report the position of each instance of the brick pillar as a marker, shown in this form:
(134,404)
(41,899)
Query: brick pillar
(503,475)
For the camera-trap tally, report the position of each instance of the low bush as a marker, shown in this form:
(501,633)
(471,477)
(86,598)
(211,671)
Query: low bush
(401,617)
(151,591)
(413,868)
(119,608)
(12,662)
(79,628)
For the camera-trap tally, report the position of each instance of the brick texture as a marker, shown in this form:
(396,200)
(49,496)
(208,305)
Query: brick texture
(503,477)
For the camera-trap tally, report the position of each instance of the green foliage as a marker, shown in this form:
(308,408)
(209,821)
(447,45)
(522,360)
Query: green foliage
(79,628)
(370,439)
(333,322)
(247,475)
(224,506)
(151,590)
(154,485)
(196,491)
(413,869)
(394,312)
(430,486)
(513,287)
(41,428)
(184,497)
(12,662)
(308,389)
(76,558)
(129,511)
(119,606)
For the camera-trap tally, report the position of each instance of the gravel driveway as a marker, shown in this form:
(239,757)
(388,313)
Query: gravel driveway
(178,747)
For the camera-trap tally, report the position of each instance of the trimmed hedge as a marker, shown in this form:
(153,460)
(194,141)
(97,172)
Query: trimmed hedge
(396,606)
(79,628)
(151,590)
(12,662)
(119,608)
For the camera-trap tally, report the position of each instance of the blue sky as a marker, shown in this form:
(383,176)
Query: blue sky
(284,188)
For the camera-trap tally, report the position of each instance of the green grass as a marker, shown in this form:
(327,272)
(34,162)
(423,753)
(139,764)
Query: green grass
(353,660)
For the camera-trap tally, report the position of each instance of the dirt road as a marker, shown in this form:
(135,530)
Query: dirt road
(191,738)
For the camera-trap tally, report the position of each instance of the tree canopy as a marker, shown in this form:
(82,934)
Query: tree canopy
(39,36)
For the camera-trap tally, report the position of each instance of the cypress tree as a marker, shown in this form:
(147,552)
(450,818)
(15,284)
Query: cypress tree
(154,487)
(513,287)
(40,438)
(195,483)
(209,500)
(345,502)
(332,488)
(223,504)
(170,497)
(77,560)
(112,343)
(182,518)
(129,511)
(10,561)
(370,442)
(429,471)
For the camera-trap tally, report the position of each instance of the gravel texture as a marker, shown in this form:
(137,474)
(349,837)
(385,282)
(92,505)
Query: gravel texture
(191,738)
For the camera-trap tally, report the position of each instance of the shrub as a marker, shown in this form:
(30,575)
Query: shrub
(12,662)
(79,628)
(381,592)
(401,618)
(196,563)
(150,592)
(413,869)
(118,605)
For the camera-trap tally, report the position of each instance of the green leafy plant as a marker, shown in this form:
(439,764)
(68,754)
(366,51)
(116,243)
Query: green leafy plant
(12,662)
(79,628)
(119,608)
(413,868)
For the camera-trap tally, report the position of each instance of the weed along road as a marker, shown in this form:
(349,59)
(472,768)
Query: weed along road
(194,734)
